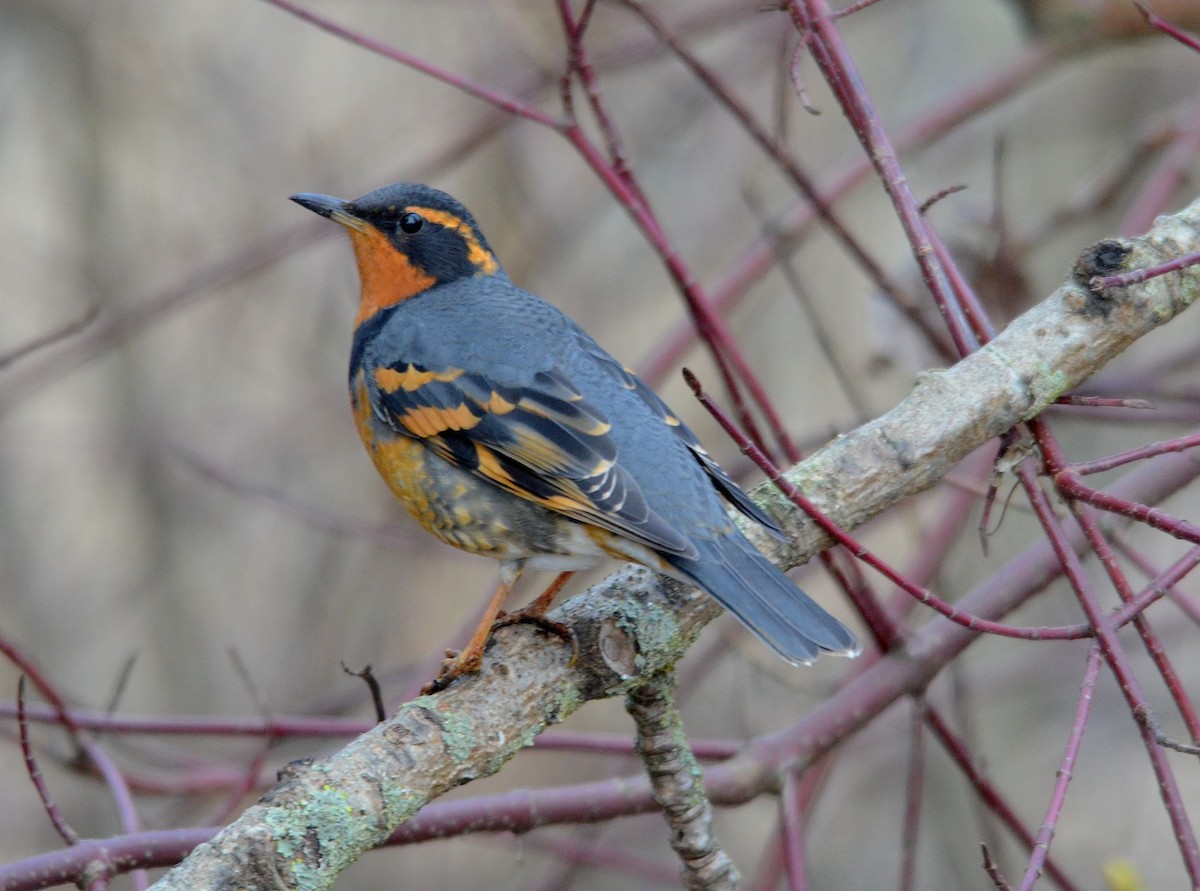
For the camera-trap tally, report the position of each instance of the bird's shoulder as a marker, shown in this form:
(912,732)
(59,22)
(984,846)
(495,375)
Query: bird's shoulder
(486,326)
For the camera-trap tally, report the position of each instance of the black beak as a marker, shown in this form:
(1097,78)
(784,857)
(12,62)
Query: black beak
(331,208)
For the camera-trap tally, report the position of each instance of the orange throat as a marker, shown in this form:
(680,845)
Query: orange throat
(387,275)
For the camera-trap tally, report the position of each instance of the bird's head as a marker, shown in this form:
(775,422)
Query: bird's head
(407,238)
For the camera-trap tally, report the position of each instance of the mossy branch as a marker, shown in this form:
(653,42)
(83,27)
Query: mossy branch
(324,815)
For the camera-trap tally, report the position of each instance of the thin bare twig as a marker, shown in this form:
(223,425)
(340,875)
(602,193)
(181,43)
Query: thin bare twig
(67,330)
(993,871)
(61,826)
(1115,656)
(1160,24)
(913,796)
(1104,282)
(791,831)
(1065,771)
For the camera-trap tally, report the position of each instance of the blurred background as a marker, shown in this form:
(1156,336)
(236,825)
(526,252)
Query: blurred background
(182,489)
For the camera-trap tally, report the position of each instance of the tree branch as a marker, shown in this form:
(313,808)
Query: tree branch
(323,816)
(679,785)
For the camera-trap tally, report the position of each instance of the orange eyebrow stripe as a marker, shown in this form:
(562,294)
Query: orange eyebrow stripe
(480,257)
(387,276)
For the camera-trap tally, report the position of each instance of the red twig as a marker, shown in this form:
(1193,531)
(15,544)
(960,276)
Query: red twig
(846,572)
(1153,644)
(1115,656)
(772,148)
(814,20)
(1186,604)
(1158,587)
(277,727)
(795,857)
(579,66)
(1071,486)
(1065,770)
(122,796)
(1160,24)
(103,857)
(1180,444)
(1055,459)
(770,866)
(471,87)
(1098,622)
(61,826)
(1103,402)
(913,796)
(621,182)
(30,669)
(271,727)
(950,525)
(88,749)
(960,753)
(763,254)
(853,8)
(1104,282)
(993,871)
(987,791)
(966,302)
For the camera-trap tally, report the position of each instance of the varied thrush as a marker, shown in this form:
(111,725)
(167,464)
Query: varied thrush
(506,430)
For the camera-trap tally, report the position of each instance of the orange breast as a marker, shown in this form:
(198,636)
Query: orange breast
(469,511)
(399,459)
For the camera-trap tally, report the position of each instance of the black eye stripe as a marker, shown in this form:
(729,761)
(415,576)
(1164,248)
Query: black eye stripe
(411,223)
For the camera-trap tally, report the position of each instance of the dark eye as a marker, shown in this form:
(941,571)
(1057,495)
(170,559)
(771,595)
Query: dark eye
(411,223)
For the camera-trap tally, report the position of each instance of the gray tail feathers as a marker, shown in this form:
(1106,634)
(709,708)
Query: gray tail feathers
(766,601)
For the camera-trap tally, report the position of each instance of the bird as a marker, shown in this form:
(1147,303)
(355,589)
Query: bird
(506,430)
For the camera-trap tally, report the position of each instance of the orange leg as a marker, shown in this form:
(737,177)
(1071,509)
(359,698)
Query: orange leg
(470,659)
(536,613)
(537,609)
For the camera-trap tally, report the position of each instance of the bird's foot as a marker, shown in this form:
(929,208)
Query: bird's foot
(455,666)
